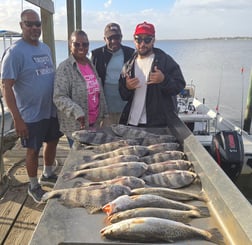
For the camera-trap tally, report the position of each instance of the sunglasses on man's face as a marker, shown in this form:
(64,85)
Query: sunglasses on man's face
(32,23)
(146,40)
(114,37)
(78,45)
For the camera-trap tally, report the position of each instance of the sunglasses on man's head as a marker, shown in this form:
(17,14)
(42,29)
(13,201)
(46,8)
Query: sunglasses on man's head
(77,45)
(32,23)
(146,40)
(114,37)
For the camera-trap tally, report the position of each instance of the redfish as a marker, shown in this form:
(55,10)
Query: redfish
(152,229)
(184,216)
(178,195)
(126,202)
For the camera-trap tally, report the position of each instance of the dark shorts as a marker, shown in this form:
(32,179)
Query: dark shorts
(45,130)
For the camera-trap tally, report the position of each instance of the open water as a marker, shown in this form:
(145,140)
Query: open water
(214,66)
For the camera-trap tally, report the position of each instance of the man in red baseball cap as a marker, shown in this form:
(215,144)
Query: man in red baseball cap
(149,82)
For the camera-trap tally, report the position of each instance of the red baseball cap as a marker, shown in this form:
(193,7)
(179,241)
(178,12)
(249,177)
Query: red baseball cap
(145,28)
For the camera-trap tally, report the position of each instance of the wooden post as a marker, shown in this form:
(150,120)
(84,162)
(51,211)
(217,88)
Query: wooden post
(48,33)
(70,18)
(248,112)
(78,14)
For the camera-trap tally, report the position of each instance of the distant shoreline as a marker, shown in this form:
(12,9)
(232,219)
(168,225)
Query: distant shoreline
(206,38)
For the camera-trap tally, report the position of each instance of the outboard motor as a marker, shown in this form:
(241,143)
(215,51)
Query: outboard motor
(228,151)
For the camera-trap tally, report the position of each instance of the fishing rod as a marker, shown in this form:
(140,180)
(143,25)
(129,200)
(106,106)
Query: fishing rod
(242,108)
(217,108)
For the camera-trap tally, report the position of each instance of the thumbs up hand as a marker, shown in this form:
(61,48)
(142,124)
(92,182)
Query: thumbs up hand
(156,77)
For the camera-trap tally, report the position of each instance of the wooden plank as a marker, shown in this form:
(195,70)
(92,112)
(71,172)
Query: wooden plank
(26,221)
(10,206)
(19,214)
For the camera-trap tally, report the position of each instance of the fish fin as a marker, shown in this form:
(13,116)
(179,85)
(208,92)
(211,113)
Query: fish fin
(204,211)
(87,158)
(106,221)
(68,176)
(67,203)
(92,209)
(77,184)
(216,236)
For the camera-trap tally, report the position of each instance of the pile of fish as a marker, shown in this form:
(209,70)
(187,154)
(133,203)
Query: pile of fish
(139,186)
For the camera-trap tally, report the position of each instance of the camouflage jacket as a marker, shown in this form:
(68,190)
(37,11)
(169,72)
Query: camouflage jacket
(70,96)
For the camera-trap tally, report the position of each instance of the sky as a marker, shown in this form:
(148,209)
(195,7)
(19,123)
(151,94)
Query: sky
(173,19)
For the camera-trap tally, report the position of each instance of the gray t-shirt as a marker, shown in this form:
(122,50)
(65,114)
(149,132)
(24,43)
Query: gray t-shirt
(33,71)
(111,89)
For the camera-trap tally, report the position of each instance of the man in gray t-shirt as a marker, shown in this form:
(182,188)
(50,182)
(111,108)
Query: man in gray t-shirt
(27,75)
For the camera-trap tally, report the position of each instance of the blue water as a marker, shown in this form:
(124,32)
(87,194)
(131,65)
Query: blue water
(214,66)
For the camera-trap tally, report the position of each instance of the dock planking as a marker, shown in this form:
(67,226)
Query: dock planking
(19,214)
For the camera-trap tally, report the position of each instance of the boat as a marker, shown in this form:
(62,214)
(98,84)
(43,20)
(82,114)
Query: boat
(8,135)
(229,145)
(6,121)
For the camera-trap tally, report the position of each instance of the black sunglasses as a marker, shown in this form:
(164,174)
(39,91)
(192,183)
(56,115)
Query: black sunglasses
(77,45)
(146,40)
(114,37)
(32,23)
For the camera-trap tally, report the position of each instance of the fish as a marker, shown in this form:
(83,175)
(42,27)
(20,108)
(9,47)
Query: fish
(184,216)
(171,178)
(131,181)
(125,202)
(156,148)
(108,172)
(110,146)
(152,229)
(178,195)
(87,136)
(93,198)
(156,140)
(163,156)
(126,150)
(131,132)
(107,161)
(169,165)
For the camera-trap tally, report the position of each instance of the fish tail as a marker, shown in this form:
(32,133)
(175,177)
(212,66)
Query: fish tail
(51,194)
(204,211)
(216,237)
(196,214)
(202,196)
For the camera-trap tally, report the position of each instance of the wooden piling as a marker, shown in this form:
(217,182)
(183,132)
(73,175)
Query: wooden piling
(248,112)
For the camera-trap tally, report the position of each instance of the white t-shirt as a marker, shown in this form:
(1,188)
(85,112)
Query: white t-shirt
(138,109)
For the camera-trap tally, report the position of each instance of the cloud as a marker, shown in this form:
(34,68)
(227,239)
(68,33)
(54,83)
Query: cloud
(182,19)
(108,3)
